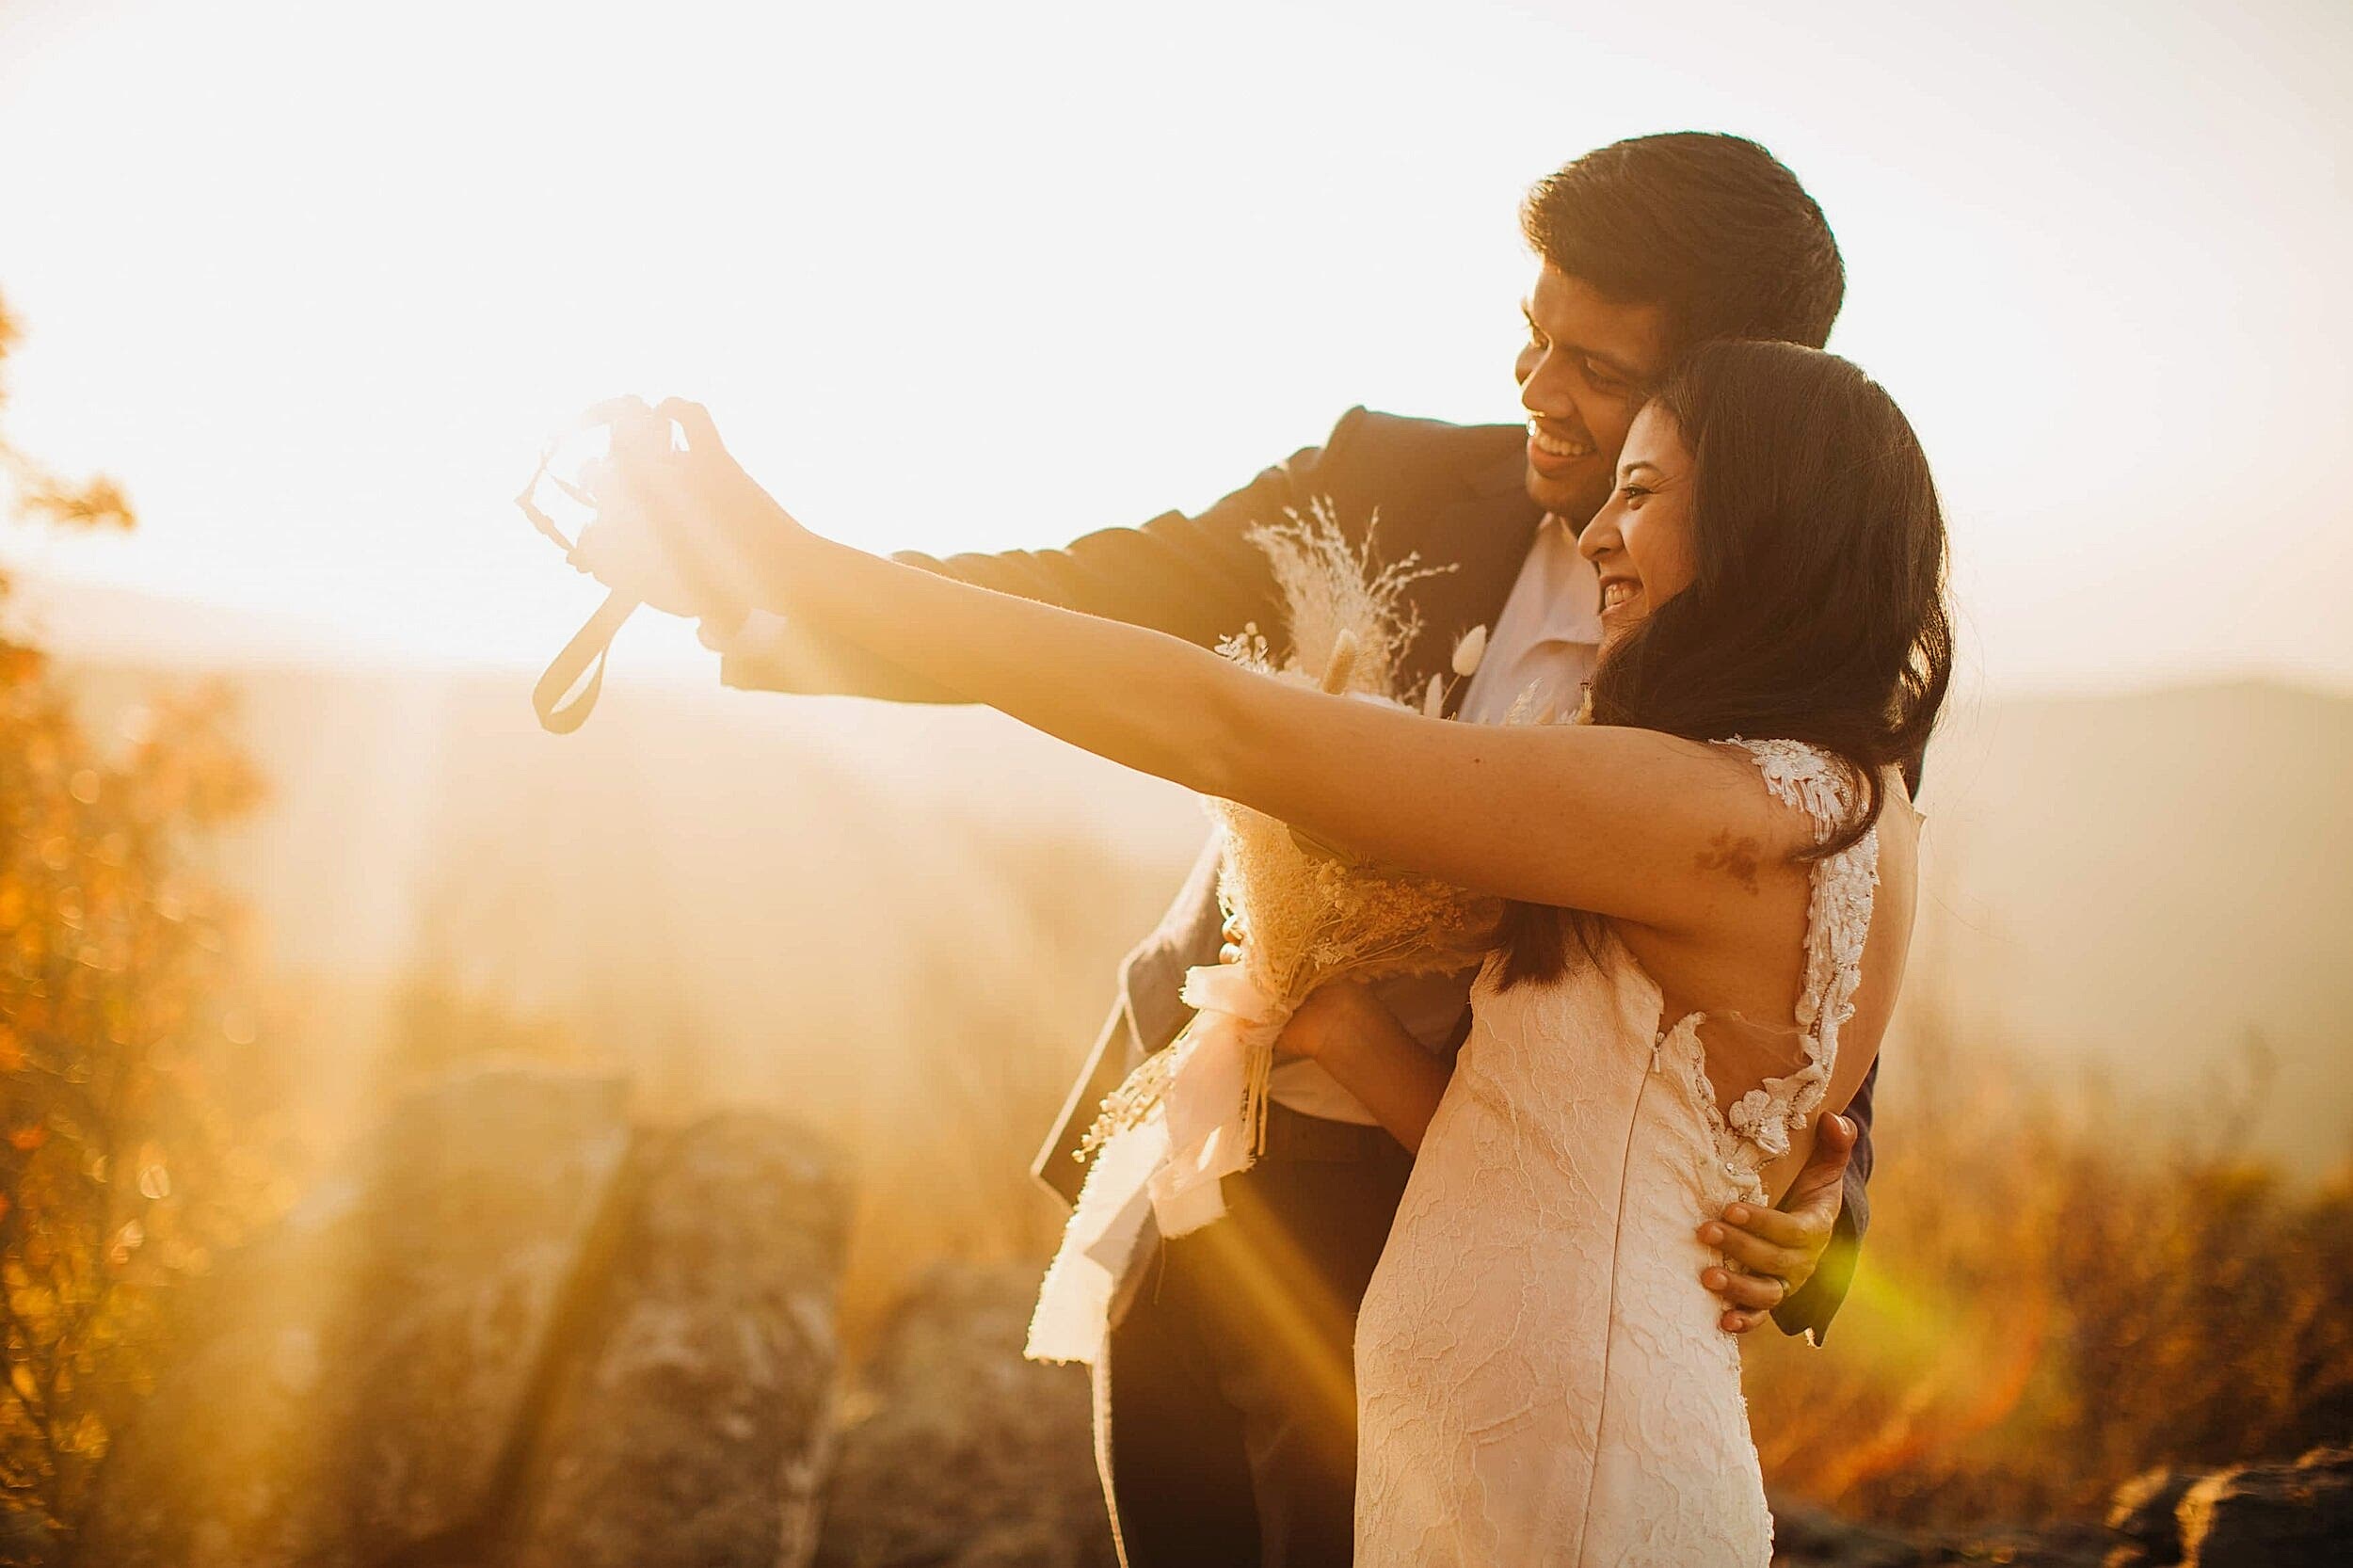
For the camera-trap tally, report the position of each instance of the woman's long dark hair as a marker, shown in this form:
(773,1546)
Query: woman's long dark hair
(1817,612)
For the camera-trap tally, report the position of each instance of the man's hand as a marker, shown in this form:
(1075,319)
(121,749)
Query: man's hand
(1775,1251)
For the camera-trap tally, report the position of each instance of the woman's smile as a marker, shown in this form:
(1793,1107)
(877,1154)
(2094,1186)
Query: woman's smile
(1639,542)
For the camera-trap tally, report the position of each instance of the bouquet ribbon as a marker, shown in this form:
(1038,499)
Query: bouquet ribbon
(1166,1170)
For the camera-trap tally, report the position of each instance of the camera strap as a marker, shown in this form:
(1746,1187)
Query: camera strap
(585,655)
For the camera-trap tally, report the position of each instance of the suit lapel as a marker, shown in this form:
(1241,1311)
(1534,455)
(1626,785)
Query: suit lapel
(1485,534)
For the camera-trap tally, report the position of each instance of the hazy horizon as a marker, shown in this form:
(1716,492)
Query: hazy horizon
(638,865)
(658,653)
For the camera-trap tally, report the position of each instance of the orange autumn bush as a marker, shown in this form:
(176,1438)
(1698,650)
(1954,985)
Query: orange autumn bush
(2067,1283)
(120,1019)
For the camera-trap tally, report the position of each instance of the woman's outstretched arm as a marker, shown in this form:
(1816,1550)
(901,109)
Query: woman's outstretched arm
(1624,822)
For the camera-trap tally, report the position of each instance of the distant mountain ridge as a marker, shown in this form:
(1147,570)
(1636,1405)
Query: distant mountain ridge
(2160,881)
(2144,882)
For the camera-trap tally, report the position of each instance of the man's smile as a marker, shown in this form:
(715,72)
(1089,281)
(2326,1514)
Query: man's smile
(1551,451)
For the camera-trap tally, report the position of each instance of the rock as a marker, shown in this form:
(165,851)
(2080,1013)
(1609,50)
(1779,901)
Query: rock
(26,1540)
(2142,1512)
(1809,1537)
(1806,1536)
(2272,1515)
(2058,1546)
(698,1425)
(966,1455)
(354,1383)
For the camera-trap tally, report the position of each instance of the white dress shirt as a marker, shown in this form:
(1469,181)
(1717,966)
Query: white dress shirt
(1539,655)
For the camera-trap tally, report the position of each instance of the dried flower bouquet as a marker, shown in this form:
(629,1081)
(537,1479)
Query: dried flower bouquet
(1310,913)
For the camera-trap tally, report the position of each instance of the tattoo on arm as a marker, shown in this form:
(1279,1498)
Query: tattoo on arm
(1735,855)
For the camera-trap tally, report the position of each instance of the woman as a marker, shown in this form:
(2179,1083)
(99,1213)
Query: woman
(1693,968)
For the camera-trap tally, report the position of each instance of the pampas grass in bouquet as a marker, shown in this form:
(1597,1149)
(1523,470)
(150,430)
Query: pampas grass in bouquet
(1310,913)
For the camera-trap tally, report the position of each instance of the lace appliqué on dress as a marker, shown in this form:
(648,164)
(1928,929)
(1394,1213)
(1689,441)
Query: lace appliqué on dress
(1759,1125)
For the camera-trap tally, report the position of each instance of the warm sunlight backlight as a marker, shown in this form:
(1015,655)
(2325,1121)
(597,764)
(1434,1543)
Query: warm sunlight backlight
(957,276)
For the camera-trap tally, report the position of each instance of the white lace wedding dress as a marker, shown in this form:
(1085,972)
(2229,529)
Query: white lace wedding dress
(1541,1377)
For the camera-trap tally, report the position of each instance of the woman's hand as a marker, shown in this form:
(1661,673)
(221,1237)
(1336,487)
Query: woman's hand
(1332,1012)
(621,548)
(1348,1032)
(724,536)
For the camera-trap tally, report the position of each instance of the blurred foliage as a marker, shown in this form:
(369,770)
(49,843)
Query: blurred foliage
(37,493)
(125,1167)
(2066,1283)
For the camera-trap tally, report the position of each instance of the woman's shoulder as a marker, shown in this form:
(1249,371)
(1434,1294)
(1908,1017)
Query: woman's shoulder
(1826,792)
(1810,794)
(1802,776)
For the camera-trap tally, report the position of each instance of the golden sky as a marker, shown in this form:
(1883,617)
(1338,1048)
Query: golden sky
(315,281)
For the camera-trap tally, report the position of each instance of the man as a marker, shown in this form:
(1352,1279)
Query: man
(1224,1399)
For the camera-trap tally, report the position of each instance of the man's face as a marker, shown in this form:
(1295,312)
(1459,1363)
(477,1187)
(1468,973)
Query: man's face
(1588,363)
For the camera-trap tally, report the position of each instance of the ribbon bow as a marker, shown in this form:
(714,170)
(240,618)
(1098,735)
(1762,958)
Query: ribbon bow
(1208,1124)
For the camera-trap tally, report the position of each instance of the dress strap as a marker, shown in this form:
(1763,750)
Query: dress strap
(1837,926)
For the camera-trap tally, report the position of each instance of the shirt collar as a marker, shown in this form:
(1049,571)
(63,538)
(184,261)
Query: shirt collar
(1570,588)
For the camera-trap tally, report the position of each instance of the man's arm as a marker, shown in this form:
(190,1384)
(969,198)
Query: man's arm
(1196,577)
(1810,1308)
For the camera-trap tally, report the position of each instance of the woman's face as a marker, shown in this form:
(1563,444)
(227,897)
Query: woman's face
(1641,541)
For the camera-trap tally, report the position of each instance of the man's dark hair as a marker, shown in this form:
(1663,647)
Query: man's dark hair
(1710,226)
